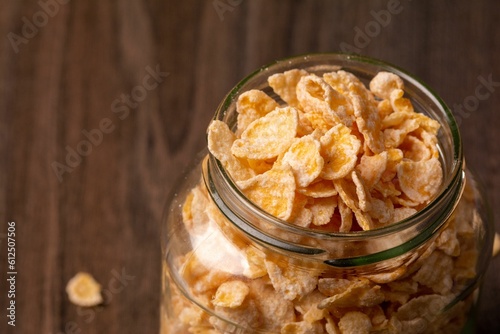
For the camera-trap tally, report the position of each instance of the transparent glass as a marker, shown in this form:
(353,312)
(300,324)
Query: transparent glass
(213,235)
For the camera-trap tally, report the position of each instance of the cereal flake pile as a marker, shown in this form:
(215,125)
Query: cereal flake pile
(327,154)
(337,156)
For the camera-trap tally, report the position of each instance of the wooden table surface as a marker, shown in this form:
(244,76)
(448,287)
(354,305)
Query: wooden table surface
(132,85)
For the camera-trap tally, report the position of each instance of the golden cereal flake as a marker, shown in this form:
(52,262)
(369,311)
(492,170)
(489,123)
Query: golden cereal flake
(399,103)
(275,309)
(316,97)
(447,240)
(415,149)
(268,136)
(301,216)
(273,191)
(372,167)
(387,277)
(252,105)
(359,294)
(436,272)
(291,282)
(382,210)
(231,294)
(348,194)
(253,264)
(426,307)
(307,306)
(322,210)
(394,157)
(318,189)
(384,83)
(247,315)
(339,149)
(284,84)
(367,116)
(83,290)
(337,82)
(346,215)
(330,286)
(220,140)
(384,108)
(305,159)
(355,322)
(396,135)
(364,197)
(420,180)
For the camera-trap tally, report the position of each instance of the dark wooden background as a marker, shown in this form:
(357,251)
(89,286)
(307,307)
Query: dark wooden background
(67,67)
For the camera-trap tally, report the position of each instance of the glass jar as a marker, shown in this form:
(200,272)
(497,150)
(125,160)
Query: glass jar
(213,236)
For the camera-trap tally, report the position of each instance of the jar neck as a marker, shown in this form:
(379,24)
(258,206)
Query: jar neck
(334,249)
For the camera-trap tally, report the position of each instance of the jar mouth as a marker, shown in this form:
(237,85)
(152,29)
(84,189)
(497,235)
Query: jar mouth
(425,100)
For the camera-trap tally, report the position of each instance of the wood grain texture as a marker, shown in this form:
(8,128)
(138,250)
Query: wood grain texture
(90,62)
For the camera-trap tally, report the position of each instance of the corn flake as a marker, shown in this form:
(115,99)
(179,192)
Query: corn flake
(284,84)
(371,168)
(318,98)
(346,215)
(308,307)
(231,294)
(339,149)
(252,105)
(301,215)
(384,83)
(246,315)
(415,149)
(322,210)
(364,197)
(305,159)
(355,323)
(399,103)
(425,307)
(359,294)
(382,210)
(420,180)
(435,273)
(348,193)
(83,290)
(273,191)
(330,286)
(291,282)
(253,264)
(387,277)
(268,136)
(366,114)
(318,189)
(275,309)
(220,140)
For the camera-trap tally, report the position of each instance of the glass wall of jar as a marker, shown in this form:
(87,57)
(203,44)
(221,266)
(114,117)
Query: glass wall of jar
(230,267)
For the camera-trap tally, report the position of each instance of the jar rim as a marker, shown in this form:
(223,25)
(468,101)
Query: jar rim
(453,174)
